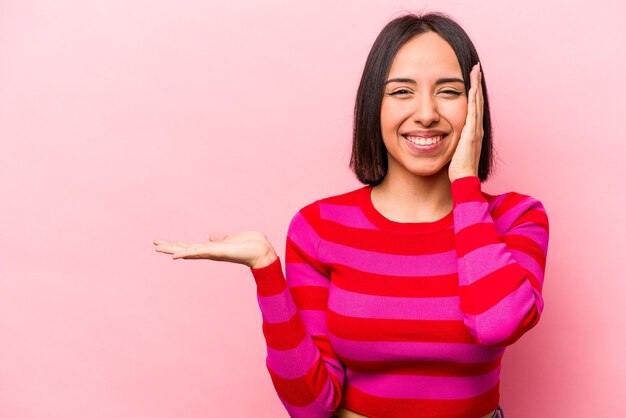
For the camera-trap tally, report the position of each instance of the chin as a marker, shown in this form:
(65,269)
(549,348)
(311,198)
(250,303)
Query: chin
(428,173)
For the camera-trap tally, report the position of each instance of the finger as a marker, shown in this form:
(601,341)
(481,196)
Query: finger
(473,76)
(470,119)
(182,254)
(480,103)
(160,245)
(188,252)
(472,110)
(477,80)
(476,89)
(165,249)
(170,247)
(161,242)
(209,251)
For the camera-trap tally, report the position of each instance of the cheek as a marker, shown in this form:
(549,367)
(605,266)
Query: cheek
(455,112)
(392,114)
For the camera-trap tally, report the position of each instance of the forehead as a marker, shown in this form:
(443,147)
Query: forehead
(426,54)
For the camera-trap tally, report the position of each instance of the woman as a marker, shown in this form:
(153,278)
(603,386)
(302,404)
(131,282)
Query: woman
(400,297)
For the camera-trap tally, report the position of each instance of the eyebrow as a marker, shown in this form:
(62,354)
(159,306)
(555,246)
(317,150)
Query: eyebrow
(411,81)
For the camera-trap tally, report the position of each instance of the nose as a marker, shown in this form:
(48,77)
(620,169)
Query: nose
(425,111)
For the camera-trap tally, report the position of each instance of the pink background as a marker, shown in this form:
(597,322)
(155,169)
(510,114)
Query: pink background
(121,122)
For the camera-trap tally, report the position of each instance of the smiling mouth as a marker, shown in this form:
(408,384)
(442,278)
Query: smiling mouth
(424,141)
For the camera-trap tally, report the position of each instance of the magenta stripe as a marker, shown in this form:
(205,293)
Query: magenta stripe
(482,261)
(294,363)
(389,264)
(533,232)
(509,217)
(390,351)
(497,201)
(277,308)
(362,305)
(529,263)
(303,235)
(424,387)
(303,274)
(314,322)
(350,216)
(500,321)
(538,300)
(470,213)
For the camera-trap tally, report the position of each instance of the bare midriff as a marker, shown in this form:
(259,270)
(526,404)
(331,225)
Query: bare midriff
(346,413)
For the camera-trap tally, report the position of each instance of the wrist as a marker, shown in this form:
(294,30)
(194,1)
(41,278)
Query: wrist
(264,261)
(466,174)
(466,189)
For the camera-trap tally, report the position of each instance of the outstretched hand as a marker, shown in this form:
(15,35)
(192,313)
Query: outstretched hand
(467,154)
(251,248)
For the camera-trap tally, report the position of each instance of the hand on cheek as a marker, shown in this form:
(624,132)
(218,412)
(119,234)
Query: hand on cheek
(467,154)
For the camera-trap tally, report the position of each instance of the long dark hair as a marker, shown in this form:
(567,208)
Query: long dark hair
(369,155)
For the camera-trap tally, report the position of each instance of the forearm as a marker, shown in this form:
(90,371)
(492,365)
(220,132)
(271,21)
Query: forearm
(304,379)
(500,275)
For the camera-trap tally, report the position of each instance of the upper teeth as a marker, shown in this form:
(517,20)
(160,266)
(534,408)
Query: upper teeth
(424,141)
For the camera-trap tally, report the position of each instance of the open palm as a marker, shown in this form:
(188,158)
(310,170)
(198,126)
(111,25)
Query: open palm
(251,248)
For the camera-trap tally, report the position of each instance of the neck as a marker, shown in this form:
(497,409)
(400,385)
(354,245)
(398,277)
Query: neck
(411,198)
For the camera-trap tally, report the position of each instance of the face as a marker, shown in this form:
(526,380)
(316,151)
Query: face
(424,107)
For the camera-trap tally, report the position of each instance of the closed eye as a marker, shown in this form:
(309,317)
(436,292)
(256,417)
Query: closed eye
(404,92)
(451,92)
(401,92)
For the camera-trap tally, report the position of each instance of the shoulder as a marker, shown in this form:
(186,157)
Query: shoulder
(315,211)
(512,208)
(348,198)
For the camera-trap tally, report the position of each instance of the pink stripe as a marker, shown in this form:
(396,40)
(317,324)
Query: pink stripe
(303,235)
(424,387)
(486,260)
(390,351)
(497,201)
(538,300)
(470,213)
(294,363)
(389,264)
(361,305)
(509,217)
(483,261)
(499,322)
(303,274)
(314,322)
(533,232)
(277,308)
(350,216)
(529,263)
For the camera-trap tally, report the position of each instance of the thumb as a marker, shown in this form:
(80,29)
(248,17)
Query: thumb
(217,236)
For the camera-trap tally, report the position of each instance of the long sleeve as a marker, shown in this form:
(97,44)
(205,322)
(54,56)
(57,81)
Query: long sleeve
(303,366)
(500,267)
